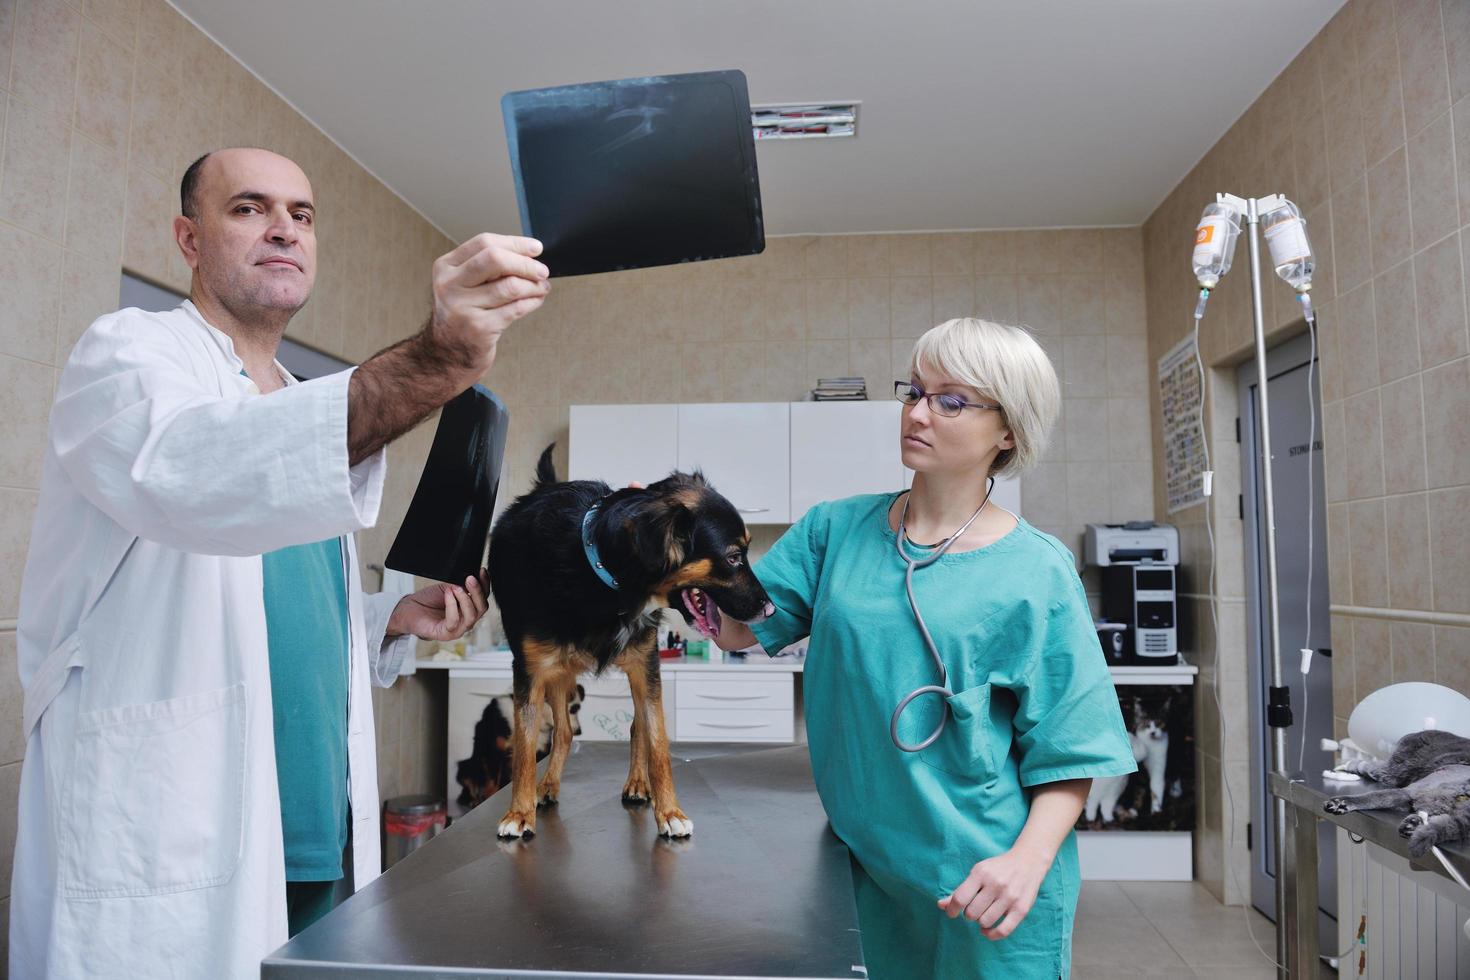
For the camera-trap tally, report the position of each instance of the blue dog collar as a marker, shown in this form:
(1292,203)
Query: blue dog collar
(589,547)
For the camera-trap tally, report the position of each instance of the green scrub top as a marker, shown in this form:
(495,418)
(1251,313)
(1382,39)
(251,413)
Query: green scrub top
(307,633)
(1033,703)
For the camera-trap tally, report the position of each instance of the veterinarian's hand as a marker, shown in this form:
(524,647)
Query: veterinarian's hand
(480,288)
(1004,886)
(440,612)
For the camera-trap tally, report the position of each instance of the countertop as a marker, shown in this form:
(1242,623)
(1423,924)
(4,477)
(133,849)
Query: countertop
(494,660)
(762,889)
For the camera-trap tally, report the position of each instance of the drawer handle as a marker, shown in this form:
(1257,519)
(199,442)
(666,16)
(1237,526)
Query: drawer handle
(734,697)
(712,724)
(754,510)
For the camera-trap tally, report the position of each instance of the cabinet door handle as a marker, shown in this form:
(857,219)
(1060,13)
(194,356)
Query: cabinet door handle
(753,510)
(712,724)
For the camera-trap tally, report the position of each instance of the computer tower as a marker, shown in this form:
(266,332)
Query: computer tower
(1143,597)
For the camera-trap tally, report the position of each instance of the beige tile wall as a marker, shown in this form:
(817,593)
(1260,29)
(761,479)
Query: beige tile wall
(103,103)
(1368,129)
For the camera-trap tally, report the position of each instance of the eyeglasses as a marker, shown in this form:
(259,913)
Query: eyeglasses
(944,405)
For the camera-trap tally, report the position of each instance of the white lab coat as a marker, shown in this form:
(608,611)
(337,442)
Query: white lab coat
(149,838)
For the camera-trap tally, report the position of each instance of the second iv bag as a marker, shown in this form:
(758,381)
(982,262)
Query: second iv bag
(1214,243)
(1286,236)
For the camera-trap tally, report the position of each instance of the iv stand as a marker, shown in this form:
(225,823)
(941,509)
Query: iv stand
(1292,961)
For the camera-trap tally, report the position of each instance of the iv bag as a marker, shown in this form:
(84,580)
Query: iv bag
(1286,236)
(1214,243)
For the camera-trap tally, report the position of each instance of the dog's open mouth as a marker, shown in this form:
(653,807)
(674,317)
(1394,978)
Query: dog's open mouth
(704,614)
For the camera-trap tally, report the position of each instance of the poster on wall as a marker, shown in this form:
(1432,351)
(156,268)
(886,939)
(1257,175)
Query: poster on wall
(1184,450)
(1160,795)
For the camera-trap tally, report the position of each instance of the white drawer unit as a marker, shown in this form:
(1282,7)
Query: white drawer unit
(731,691)
(703,702)
(607,711)
(736,725)
(736,706)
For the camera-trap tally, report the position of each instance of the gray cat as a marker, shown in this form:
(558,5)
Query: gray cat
(1432,769)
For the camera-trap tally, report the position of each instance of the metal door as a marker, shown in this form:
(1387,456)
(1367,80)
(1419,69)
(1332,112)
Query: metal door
(1294,458)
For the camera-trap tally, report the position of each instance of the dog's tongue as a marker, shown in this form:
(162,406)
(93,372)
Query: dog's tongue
(700,622)
(714,617)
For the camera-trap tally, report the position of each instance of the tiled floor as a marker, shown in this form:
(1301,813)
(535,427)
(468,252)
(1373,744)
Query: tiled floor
(1125,930)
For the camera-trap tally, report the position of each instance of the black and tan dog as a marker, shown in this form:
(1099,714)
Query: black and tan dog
(577,570)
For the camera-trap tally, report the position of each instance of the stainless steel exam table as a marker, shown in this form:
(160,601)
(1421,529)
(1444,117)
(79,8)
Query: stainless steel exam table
(1304,799)
(763,889)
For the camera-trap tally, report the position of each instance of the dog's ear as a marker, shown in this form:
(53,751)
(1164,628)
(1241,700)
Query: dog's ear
(661,537)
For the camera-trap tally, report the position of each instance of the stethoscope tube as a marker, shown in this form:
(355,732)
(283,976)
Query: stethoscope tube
(942,688)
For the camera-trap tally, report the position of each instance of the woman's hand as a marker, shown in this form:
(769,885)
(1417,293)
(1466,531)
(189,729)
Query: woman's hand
(1000,888)
(440,612)
(1005,886)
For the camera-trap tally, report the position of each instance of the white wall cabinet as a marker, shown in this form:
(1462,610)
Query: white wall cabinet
(744,449)
(772,460)
(839,449)
(621,444)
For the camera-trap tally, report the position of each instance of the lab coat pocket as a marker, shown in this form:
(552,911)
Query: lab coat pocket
(156,799)
(964,748)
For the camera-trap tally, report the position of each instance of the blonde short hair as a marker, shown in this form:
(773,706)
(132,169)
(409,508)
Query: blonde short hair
(1006,363)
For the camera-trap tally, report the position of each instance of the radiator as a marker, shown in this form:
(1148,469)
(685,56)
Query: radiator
(1412,922)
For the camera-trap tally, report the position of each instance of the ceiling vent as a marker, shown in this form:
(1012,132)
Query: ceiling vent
(804,120)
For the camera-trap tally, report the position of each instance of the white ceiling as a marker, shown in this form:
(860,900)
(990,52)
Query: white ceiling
(976,113)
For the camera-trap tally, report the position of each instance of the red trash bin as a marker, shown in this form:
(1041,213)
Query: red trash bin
(408,822)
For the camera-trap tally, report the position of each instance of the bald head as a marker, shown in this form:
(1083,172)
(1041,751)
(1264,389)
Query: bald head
(189,187)
(248,230)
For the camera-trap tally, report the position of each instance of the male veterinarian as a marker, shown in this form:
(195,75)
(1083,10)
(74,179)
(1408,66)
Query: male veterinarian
(194,643)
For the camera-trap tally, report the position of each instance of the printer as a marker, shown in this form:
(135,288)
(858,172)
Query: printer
(1140,612)
(1131,543)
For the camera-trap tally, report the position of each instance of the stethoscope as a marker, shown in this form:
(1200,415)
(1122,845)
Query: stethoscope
(934,555)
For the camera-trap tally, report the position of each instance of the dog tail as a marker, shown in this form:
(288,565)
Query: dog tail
(545,471)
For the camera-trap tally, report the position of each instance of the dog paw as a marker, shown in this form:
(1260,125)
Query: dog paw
(547,793)
(1338,804)
(637,790)
(673,823)
(517,823)
(1410,824)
